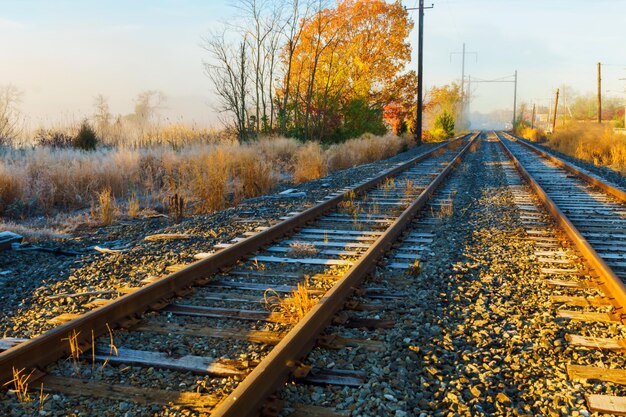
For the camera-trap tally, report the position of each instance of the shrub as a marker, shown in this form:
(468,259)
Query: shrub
(86,138)
(444,123)
(53,138)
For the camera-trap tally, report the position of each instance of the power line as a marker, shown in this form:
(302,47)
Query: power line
(463,53)
(504,79)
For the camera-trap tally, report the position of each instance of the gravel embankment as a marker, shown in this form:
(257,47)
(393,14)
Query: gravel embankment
(477,334)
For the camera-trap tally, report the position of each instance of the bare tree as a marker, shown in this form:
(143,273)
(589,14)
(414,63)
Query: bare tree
(228,71)
(102,114)
(147,105)
(10,119)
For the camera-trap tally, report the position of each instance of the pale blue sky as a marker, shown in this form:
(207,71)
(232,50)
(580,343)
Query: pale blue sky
(63,53)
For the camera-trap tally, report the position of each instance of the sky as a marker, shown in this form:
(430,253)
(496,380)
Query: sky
(62,53)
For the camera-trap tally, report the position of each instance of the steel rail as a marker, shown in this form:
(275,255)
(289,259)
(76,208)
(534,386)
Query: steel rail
(610,283)
(608,188)
(273,371)
(52,345)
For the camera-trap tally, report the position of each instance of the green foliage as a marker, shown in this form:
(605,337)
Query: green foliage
(86,139)
(360,118)
(445,123)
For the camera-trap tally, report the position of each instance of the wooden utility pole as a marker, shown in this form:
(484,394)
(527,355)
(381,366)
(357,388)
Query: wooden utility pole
(420,66)
(599,93)
(532,119)
(556,105)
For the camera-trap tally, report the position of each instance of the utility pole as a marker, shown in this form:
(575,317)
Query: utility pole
(599,93)
(532,119)
(463,53)
(420,66)
(514,101)
(556,105)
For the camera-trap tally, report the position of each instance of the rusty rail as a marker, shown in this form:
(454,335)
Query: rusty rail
(610,283)
(247,399)
(52,345)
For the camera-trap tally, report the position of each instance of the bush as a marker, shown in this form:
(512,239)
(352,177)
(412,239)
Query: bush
(53,138)
(445,123)
(86,139)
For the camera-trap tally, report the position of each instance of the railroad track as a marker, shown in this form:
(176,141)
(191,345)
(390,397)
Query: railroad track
(235,319)
(584,259)
(317,257)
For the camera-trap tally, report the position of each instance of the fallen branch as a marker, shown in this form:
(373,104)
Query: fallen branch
(167,236)
(108,251)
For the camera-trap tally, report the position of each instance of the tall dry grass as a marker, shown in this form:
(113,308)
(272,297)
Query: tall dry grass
(591,142)
(532,134)
(310,163)
(209,177)
(365,149)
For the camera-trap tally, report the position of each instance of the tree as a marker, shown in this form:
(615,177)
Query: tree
(147,104)
(10,121)
(86,138)
(351,52)
(332,59)
(102,114)
(400,103)
(228,72)
(444,125)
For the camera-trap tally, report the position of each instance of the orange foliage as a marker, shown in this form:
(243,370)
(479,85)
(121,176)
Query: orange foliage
(353,51)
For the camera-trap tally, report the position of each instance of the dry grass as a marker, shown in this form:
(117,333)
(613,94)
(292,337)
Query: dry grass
(446,209)
(106,207)
(533,135)
(75,350)
(410,188)
(591,142)
(389,185)
(254,176)
(294,306)
(367,148)
(211,176)
(310,163)
(20,384)
(302,249)
(32,233)
(133,206)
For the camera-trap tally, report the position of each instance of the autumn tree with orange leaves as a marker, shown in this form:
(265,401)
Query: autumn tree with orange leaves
(347,60)
(313,69)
